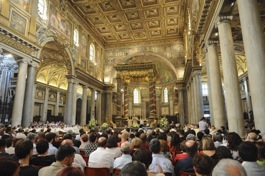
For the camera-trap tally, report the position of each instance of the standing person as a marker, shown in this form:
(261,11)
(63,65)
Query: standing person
(24,151)
(203,124)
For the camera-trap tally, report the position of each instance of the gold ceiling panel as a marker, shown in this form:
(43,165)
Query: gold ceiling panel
(117,21)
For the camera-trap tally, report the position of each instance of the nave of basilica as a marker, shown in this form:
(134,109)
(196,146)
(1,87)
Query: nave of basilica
(114,60)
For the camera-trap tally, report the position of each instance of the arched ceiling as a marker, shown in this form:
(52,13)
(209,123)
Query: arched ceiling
(120,21)
(54,65)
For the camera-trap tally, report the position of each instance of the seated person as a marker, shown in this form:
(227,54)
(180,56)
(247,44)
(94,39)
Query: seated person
(248,152)
(64,157)
(23,151)
(9,166)
(185,165)
(68,171)
(42,158)
(2,148)
(134,168)
(229,167)
(202,164)
(125,158)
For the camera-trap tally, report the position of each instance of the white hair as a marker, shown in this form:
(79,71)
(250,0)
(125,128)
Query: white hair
(229,167)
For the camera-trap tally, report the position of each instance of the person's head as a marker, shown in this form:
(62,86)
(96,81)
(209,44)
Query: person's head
(124,135)
(207,131)
(207,144)
(84,137)
(2,144)
(50,136)
(191,137)
(175,140)
(154,146)
(202,164)
(248,151)
(143,156)
(102,141)
(71,171)
(92,137)
(9,166)
(32,137)
(191,147)
(41,136)
(252,137)
(233,140)
(67,142)
(228,167)
(112,142)
(217,137)
(126,147)
(68,136)
(143,137)
(65,154)
(9,142)
(134,168)
(136,143)
(223,152)
(261,150)
(163,146)
(23,149)
(200,135)
(42,147)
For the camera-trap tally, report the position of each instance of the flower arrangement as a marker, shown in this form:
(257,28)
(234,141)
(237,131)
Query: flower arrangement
(135,125)
(92,123)
(163,122)
(104,125)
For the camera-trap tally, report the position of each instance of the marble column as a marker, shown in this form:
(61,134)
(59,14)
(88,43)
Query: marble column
(216,87)
(99,109)
(84,106)
(92,106)
(131,112)
(188,120)
(192,99)
(209,88)
(56,113)
(20,92)
(143,111)
(28,101)
(74,98)
(45,105)
(254,45)
(198,102)
(152,96)
(181,106)
(246,88)
(171,104)
(119,96)
(69,100)
(108,106)
(158,106)
(231,83)
(126,101)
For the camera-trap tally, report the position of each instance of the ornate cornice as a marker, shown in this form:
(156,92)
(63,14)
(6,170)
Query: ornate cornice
(19,43)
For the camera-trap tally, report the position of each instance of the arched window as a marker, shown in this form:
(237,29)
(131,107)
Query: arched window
(42,8)
(92,52)
(165,95)
(204,89)
(136,96)
(76,37)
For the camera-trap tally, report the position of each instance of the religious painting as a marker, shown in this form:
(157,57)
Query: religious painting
(24,4)
(59,23)
(18,23)
(83,45)
(83,63)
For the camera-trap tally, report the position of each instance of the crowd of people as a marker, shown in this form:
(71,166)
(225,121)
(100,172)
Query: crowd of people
(57,149)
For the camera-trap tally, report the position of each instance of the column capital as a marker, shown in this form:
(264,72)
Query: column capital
(223,19)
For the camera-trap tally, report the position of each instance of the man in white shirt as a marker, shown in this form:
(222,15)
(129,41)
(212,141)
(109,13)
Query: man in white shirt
(159,159)
(202,124)
(100,157)
(125,158)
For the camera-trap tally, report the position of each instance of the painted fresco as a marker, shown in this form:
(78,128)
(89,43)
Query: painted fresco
(24,4)
(59,23)
(18,23)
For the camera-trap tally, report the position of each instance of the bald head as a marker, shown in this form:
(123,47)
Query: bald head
(126,147)
(228,167)
(67,142)
(102,141)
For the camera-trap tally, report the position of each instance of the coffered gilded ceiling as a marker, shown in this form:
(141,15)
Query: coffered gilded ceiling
(133,20)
